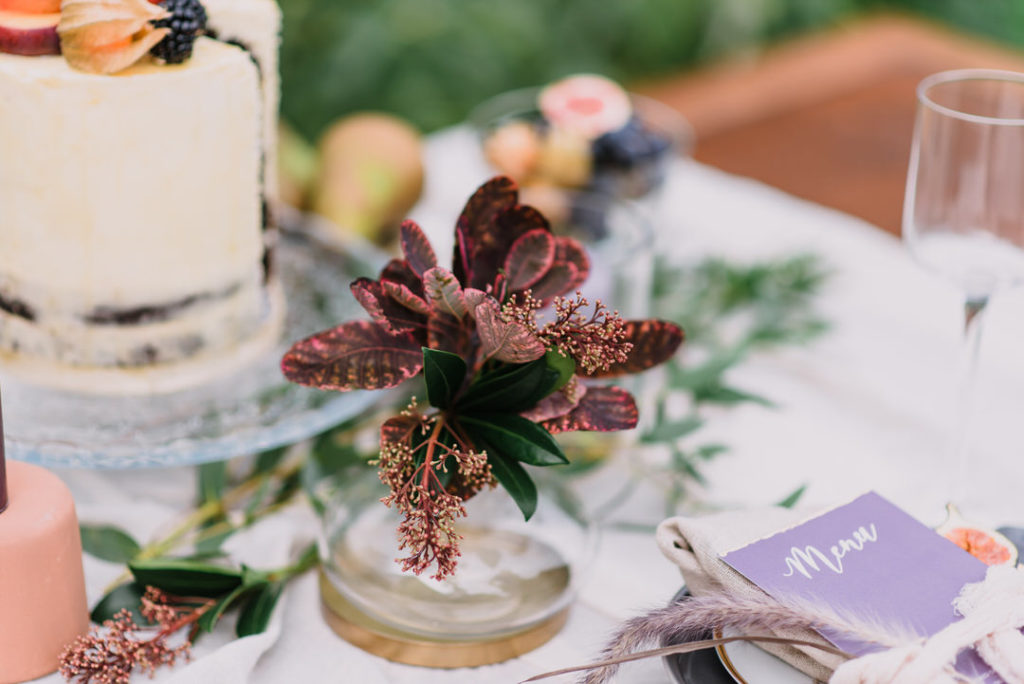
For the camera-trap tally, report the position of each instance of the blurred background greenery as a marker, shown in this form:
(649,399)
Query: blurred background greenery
(431,61)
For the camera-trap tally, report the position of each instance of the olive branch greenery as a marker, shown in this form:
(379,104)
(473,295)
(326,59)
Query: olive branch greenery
(729,311)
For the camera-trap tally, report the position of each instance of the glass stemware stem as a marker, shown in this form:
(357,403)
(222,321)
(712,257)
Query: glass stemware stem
(974,308)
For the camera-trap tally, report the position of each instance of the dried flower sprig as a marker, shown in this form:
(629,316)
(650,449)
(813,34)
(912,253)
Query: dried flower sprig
(595,343)
(500,383)
(110,655)
(180,597)
(430,472)
(759,617)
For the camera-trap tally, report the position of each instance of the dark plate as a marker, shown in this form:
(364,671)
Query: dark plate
(699,667)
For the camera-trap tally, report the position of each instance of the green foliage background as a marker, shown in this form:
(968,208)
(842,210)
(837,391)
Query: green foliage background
(431,61)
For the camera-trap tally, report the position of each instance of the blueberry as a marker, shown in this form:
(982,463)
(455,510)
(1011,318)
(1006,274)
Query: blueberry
(628,146)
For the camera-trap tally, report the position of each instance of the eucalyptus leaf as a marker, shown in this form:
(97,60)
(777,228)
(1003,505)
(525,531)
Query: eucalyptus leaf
(516,437)
(708,373)
(208,620)
(268,460)
(212,480)
(793,498)
(309,557)
(444,373)
(720,394)
(108,543)
(209,547)
(257,611)
(127,596)
(331,453)
(183,577)
(670,431)
(709,451)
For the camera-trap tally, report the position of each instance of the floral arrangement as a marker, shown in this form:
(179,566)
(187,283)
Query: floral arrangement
(506,357)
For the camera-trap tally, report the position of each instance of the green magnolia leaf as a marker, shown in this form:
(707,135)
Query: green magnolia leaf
(514,478)
(186,578)
(208,620)
(516,437)
(444,373)
(256,612)
(510,389)
(108,543)
(561,364)
(126,596)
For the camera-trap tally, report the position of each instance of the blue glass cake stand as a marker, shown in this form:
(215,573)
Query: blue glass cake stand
(251,409)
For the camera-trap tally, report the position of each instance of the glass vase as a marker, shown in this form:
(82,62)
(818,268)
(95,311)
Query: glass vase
(509,594)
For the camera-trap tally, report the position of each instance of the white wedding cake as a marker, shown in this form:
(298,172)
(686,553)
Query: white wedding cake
(136,205)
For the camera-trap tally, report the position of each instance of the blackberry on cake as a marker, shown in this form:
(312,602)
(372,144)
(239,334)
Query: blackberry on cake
(187,22)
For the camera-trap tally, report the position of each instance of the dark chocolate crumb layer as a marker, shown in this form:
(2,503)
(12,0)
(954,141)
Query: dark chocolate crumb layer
(105,315)
(16,307)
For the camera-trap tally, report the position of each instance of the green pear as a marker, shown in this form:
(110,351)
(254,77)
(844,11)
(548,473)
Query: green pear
(370,175)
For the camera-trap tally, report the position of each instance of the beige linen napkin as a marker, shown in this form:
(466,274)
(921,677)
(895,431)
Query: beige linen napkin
(696,546)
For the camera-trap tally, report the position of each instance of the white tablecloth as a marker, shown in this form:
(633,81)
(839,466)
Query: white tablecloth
(869,406)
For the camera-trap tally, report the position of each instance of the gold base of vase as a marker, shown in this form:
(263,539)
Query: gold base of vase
(391,643)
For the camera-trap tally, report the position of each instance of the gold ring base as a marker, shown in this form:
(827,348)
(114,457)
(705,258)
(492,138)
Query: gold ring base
(390,643)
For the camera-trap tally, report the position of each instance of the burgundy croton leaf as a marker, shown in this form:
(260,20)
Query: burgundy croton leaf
(569,268)
(473,297)
(385,310)
(556,405)
(602,409)
(404,296)
(654,342)
(398,429)
(487,229)
(511,342)
(475,222)
(556,282)
(416,248)
(570,251)
(353,355)
(529,258)
(398,271)
(444,292)
(447,333)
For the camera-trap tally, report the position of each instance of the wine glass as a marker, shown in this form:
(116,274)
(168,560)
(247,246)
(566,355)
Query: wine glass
(963,216)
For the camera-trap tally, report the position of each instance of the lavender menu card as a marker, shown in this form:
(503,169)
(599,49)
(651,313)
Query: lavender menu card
(866,558)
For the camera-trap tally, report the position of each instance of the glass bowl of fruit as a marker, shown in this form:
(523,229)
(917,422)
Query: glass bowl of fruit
(582,132)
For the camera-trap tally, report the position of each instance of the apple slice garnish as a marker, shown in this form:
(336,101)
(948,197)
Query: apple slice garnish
(30,6)
(24,33)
